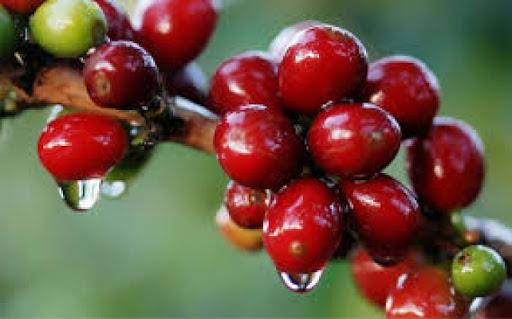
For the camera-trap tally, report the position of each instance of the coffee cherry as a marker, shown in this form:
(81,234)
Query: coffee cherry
(478,271)
(498,306)
(7,34)
(68,28)
(120,74)
(189,82)
(353,140)
(447,167)
(119,26)
(285,38)
(385,214)
(249,240)
(246,206)
(81,146)
(325,64)
(425,293)
(21,6)
(258,147)
(406,88)
(303,226)
(175,31)
(249,78)
(125,171)
(375,281)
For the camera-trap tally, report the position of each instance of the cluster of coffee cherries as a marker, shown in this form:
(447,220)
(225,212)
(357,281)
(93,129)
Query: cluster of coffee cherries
(307,129)
(130,65)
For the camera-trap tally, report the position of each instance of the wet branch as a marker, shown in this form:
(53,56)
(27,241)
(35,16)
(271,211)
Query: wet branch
(63,84)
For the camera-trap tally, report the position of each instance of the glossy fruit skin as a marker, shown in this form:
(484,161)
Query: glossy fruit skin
(175,31)
(80,146)
(285,38)
(120,74)
(68,28)
(325,64)
(425,293)
(498,306)
(258,147)
(249,240)
(386,216)
(406,88)
(248,78)
(353,140)
(478,271)
(189,82)
(447,167)
(246,206)
(303,226)
(375,281)
(21,6)
(8,34)
(119,26)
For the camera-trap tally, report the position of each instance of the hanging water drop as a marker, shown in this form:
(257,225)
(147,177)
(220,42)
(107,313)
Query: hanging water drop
(301,283)
(114,189)
(80,195)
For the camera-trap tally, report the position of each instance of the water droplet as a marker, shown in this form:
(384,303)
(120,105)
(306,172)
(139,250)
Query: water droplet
(114,189)
(80,195)
(301,283)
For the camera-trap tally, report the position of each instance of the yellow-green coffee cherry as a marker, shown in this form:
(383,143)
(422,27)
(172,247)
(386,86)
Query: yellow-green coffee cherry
(478,271)
(68,28)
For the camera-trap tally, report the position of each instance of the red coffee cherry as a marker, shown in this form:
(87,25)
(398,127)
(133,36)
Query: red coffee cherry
(425,293)
(120,74)
(285,38)
(498,306)
(249,240)
(325,64)
(385,214)
(258,147)
(303,226)
(353,140)
(119,26)
(175,31)
(189,82)
(248,78)
(81,146)
(447,167)
(246,206)
(21,6)
(406,88)
(375,281)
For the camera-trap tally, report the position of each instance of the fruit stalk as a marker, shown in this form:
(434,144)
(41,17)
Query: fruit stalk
(63,84)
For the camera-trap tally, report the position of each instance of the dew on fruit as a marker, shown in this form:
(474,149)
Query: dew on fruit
(113,189)
(80,195)
(301,283)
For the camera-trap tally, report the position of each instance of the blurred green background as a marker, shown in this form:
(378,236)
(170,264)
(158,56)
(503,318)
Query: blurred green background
(157,252)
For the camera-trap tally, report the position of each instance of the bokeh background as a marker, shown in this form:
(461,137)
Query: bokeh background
(157,252)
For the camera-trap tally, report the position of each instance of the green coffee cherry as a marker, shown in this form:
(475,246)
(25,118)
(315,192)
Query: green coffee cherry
(68,28)
(7,34)
(478,271)
(121,176)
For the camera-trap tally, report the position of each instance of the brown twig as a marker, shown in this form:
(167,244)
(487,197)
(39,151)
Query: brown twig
(63,84)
